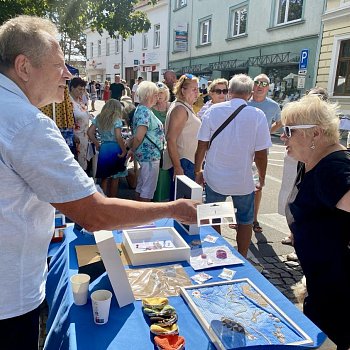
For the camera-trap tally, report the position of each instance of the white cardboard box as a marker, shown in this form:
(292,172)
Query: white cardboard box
(189,189)
(155,245)
(114,267)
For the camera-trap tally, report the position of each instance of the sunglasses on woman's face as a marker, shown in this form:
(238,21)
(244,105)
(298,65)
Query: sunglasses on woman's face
(221,91)
(287,129)
(261,83)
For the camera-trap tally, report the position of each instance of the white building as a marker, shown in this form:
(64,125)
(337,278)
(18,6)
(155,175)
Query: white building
(143,54)
(222,38)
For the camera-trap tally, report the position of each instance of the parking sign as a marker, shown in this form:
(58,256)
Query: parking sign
(304,55)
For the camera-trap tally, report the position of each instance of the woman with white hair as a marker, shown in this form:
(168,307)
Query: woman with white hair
(318,212)
(148,141)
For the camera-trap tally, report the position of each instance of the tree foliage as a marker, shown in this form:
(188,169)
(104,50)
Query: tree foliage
(72,17)
(12,8)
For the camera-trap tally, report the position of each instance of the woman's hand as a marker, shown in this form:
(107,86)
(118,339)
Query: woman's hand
(178,171)
(122,155)
(97,145)
(130,155)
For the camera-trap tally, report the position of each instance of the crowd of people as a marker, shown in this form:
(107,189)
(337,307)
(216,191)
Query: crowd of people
(222,146)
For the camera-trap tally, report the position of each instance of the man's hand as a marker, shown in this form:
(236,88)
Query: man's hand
(199,178)
(184,210)
(260,184)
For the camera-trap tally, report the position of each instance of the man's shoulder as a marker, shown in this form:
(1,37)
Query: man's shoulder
(271,102)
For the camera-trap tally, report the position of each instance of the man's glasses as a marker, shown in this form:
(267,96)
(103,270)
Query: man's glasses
(287,129)
(261,83)
(219,91)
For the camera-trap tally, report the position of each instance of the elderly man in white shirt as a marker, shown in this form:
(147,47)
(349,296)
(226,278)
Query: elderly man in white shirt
(228,161)
(39,173)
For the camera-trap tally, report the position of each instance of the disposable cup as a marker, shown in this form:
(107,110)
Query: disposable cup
(80,288)
(101,302)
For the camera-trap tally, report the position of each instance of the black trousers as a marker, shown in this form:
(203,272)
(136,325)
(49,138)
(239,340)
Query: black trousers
(21,332)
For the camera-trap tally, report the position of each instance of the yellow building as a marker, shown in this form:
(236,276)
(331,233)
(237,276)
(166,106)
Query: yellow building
(334,62)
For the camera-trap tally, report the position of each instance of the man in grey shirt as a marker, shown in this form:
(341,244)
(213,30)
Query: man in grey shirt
(273,115)
(38,173)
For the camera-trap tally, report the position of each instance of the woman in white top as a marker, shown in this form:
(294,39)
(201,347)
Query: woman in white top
(181,128)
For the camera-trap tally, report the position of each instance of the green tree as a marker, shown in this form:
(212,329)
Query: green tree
(12,8)
(72,17)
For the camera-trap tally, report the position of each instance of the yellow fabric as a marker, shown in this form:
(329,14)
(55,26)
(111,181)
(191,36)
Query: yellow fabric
(166,329)
(64,111)
(154,302)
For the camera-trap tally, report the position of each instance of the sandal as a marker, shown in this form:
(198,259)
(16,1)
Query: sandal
(287,241)
(256,227)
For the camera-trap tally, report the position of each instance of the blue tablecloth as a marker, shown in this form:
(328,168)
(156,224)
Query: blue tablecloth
(72,327)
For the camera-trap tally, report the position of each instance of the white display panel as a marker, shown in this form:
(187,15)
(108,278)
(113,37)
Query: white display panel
(189,189)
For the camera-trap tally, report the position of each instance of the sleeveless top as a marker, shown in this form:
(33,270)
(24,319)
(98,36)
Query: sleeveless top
(187,140)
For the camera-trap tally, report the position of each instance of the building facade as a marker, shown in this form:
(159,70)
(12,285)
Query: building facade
(143,54)
(251,37)
(334,64)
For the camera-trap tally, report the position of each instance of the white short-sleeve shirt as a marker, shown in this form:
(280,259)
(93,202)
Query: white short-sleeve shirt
(228,163)
(36,168)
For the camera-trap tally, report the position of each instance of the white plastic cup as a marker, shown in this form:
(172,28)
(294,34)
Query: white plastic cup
(80,287)
(101,302)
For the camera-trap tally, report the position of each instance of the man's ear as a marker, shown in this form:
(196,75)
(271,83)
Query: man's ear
(22,67)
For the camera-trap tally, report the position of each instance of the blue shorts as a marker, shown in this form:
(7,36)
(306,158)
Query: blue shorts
(244,204)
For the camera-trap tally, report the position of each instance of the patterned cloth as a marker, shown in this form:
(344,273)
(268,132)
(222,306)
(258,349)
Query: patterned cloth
(63,111)
(147,151)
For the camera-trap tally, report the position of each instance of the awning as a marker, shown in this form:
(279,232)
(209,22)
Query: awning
(72,70)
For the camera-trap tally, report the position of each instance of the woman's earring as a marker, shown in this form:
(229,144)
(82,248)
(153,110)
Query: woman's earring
(313,145)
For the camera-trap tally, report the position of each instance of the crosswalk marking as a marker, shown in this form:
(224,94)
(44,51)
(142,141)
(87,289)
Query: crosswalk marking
(276,221)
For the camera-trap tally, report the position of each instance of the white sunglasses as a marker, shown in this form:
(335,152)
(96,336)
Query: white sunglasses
(287,129)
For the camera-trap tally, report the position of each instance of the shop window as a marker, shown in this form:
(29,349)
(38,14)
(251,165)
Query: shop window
(204,31)
(238,19)
(342,78)
(157,35)
(144,41)
(180,3)
(289,11)
(99,44)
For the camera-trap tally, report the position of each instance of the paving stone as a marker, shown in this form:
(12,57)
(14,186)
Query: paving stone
(289,281)
(271,259)
(276,282)
(285,274)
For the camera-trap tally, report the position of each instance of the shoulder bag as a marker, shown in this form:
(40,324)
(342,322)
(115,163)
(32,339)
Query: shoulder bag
(225,123)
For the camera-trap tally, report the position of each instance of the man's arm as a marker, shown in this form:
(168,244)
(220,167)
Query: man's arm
(275,126)
(97,212)
(260,160)
(202,148)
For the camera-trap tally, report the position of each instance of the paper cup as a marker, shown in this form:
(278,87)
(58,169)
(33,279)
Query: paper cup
(101,302)
(80,288)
